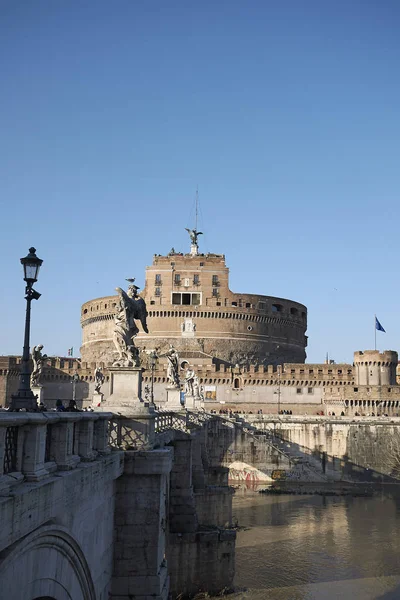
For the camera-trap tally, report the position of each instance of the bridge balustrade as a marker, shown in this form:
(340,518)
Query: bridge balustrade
(33,445)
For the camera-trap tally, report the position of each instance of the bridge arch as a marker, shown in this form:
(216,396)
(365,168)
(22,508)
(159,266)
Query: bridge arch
(47,563)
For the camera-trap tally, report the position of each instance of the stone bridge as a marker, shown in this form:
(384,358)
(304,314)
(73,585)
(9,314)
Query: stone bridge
(96,506)
(88,512)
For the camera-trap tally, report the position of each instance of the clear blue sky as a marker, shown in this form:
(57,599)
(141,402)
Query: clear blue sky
(286,114)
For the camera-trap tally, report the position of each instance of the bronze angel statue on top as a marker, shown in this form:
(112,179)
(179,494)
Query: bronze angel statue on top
(194,234)
(129,307)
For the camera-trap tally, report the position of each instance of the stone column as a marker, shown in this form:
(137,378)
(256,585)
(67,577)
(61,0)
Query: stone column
(140,566)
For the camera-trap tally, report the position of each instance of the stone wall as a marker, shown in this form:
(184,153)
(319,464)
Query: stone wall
(359,449)
(56,525)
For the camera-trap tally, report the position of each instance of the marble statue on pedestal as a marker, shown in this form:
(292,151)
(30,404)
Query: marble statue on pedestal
(173,367)
(130,307)
(196,387)
(189,381)
(38,363)
(98,379)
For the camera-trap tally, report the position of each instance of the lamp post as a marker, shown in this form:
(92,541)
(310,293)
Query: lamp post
(278,391)
(75,379)
(153,360)
(25,398)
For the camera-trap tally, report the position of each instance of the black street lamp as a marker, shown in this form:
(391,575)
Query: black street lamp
(74,381)
(25,398)
(153,360)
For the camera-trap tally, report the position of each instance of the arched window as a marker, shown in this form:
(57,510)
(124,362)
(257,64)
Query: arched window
(236,383)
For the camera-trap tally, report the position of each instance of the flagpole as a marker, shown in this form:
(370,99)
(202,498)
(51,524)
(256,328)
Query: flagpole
(375,329)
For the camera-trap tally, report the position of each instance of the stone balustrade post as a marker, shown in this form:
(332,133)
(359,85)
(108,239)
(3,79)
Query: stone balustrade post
(84,439)
(63,445)
(100,441)
(4,483)
(34,448)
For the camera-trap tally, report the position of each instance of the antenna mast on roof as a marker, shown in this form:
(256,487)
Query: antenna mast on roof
(197,206)
(193,233)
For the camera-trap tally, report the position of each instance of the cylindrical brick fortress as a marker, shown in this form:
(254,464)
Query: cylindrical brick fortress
(375,368)
(190,306)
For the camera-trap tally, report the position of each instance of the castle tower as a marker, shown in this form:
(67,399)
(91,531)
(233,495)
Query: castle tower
(375,368)
(191,306)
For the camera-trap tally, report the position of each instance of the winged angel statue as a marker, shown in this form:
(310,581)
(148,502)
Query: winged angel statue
(129,307)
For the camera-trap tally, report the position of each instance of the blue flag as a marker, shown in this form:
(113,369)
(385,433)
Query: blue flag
(378,326)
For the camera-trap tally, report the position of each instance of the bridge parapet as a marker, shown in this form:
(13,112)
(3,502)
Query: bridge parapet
(35,445)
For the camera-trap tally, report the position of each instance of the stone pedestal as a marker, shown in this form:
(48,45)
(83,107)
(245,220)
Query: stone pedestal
(97,399)
(133,427)
(173,399)
(192,402)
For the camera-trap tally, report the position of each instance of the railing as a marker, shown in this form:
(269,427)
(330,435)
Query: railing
(169,420)
(47,451)
(32,445)
(10,449)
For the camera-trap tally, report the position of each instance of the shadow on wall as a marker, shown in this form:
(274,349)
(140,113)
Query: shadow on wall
(369,459)
(343,469)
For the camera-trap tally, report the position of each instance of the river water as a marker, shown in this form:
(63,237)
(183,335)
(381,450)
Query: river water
(317,547)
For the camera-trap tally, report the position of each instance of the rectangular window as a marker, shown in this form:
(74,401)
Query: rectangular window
(248,305)
(356,389)
(298,390)
(234,303)
(311,371)
(389,389)
(292,371)
(158,279)
(329,371)
(215,279)
(202,264)
(339,371)
(301,371)
(186,298)
(157,291)
(177,279)
(215,292)
(261,305)
(196,279)
(310,390)
(319,371)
